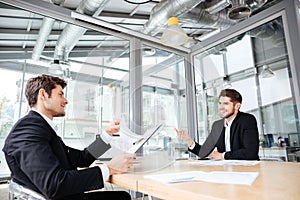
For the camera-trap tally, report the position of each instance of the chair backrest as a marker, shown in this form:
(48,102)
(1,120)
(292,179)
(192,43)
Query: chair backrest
(17,191)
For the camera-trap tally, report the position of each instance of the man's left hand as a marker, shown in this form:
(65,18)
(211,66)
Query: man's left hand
(216,156)
(113,128)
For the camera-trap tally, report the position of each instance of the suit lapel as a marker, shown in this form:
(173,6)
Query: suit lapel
(233,128)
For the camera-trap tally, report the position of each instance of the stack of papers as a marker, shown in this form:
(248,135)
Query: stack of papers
(244,178)
(225,162)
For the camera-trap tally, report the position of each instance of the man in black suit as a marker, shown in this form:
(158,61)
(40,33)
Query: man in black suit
(40,161)
(235,136)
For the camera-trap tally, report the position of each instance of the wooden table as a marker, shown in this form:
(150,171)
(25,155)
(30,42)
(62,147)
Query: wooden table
(276,180)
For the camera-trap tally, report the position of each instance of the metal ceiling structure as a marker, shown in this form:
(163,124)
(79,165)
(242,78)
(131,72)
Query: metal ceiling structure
(28,35)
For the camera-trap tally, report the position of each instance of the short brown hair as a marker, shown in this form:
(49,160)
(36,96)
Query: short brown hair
(44,81)
(234,95)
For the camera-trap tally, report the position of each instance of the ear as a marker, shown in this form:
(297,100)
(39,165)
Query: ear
(237,106)
(42,94)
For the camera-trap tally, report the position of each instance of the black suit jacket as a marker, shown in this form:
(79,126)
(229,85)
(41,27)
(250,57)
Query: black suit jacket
(39,160)
(244,139)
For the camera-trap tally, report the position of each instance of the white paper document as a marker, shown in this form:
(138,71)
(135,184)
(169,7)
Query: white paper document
(134,141)
(243,178)
(139,142)
(225,162)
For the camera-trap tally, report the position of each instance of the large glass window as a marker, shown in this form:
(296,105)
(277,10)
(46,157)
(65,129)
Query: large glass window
(256,64)
(164,95)
(93,63)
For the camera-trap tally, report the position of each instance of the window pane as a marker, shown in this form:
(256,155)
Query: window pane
(247,59)
(164,96)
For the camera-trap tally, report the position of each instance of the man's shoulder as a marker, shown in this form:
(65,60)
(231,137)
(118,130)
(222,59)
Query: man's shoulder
(244,114)
(245,117)
(30,117)
(30,124)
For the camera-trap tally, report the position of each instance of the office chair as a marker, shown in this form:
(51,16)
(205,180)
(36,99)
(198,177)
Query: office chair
(18,192)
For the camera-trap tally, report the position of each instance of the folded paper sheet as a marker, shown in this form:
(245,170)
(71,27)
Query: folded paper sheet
(244,178)
(225,162)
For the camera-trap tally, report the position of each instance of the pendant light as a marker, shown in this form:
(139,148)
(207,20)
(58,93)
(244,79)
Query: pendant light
(55,68)
(266,71)
(173,35)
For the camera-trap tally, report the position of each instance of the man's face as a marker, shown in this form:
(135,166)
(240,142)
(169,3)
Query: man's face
(227,108)
(55,105)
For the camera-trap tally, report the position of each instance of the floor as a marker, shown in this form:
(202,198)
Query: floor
(4,193)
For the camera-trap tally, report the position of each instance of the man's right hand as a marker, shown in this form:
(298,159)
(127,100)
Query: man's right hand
(184,136)
(120,163)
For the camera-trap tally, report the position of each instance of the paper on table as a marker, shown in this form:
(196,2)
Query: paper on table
(244,178)
(225,162)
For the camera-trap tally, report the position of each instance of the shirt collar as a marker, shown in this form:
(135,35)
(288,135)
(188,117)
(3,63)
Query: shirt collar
(49,121)
(228,124)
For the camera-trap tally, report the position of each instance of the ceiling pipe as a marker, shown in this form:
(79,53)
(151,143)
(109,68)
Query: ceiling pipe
(44,33)
(217,5)
(214,13)
(201,17)
(71,33)
(239,10)
(242,9)
(256,4)
(168,8)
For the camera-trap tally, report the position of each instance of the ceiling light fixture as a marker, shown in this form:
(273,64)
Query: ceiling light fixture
(55,68)
(173,35)
(266,71)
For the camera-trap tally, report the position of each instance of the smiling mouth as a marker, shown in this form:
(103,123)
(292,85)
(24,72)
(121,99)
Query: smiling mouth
(223,113)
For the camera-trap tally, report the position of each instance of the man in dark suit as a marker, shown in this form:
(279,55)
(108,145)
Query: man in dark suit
(40,161)
(235,136)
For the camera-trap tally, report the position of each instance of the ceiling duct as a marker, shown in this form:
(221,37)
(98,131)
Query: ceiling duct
(71,33)
(44,33)
(256,4)
(201,17)
(168,8)
(240,10)
(217,5)
(202,13)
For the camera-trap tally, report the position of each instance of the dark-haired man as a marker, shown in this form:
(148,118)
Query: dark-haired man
(40,161)
(235,136)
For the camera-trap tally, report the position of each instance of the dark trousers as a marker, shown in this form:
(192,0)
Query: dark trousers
(109,195)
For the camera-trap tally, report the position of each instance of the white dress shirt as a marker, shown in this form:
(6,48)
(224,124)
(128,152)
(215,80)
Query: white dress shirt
(227,126)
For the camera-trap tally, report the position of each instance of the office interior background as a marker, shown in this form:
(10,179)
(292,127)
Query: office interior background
(116,67)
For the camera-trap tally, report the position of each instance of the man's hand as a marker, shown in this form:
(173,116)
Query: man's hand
(216,156)
(113,128)
(120,163)
(184,136)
